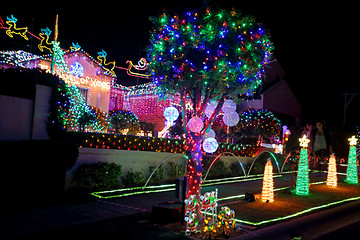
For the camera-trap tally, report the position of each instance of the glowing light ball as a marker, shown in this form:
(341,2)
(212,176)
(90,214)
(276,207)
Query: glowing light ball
(210,108)
(231,118)
(195,124)
(171,114)
(210,145)
(210,133)
(229,106)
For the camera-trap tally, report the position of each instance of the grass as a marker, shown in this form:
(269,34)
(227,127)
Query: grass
(286,204)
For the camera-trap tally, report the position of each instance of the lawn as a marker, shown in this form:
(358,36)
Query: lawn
(287,204)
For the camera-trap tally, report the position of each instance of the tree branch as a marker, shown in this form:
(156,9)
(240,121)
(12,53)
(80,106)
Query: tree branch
(206,99)
(183,112)
(215,113)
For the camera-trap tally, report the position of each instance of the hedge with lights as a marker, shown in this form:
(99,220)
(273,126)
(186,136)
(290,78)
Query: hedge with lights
(139,143)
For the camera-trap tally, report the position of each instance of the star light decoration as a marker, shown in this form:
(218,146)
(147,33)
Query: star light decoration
(304,142)
(352,141)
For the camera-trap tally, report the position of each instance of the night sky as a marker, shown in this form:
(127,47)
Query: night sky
(316,43)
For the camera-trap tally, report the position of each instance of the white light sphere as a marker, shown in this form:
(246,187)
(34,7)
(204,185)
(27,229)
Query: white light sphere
(210,133)
(210,108)
(228,106)
(171,114)
(231,118)
(210,145)
(195,124)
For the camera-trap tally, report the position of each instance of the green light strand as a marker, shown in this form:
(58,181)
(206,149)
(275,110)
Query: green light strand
(351,170)
(298,213)
(302,180)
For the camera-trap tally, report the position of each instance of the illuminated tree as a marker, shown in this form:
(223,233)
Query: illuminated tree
(123,119)
(79,112)
(302,180)
(206,54)
(351,170)
(267,193)
(332,173)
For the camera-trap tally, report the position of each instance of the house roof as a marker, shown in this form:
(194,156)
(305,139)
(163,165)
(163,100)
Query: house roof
(90,60)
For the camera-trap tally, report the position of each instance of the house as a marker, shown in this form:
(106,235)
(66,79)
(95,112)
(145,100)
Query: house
(276,96)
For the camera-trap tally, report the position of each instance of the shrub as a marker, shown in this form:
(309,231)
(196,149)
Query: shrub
(218,170)
(133,179)
(236,170)
(97,176)
(158,175)
(175,170)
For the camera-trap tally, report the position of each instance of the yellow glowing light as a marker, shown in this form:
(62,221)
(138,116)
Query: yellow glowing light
(267,193)
(332,175)
(304,141)
(108,66)
(44,35)
(12,29)
(353,141)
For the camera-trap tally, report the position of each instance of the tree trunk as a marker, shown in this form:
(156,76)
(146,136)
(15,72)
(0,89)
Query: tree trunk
(194,168)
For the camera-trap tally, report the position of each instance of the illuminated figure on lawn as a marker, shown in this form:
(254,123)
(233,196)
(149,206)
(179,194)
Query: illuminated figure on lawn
(332,174)
(213,222)
(302,180)
(267,193)
(351,170)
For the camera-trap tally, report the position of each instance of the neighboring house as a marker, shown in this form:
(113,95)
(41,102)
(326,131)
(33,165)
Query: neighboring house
(93,80)
(276,96)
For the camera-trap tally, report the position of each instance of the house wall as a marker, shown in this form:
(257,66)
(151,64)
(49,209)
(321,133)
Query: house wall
(281,99)
(245,105)
(93,80)
(15,118)
(25,118)
(147,108)
(41,112)
(117,97)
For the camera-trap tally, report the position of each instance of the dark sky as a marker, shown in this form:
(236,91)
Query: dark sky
(316,43)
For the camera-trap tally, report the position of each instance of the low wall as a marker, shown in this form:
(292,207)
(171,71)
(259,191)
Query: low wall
(135,160)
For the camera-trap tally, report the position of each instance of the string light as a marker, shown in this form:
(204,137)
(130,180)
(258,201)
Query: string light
(332,173)
(102,58)
(13,29)
(351,170)
(267,193)
(44,43)
(302,180)
(259,122)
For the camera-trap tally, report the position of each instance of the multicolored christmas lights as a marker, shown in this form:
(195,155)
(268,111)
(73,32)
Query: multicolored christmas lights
(78,106)
(256,122)
(206,54)
(204,45)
